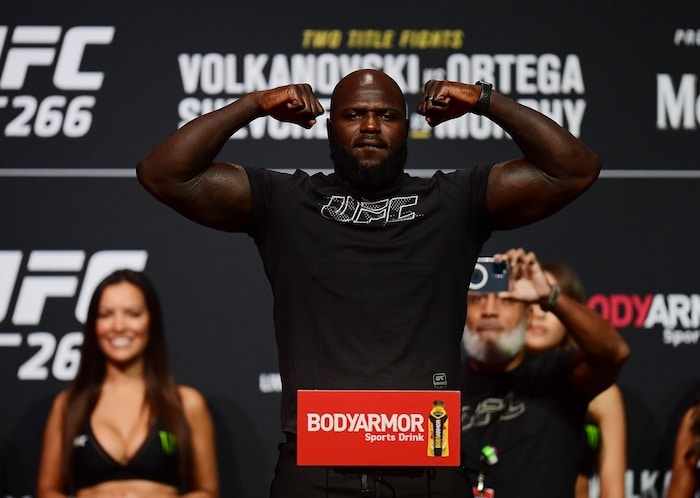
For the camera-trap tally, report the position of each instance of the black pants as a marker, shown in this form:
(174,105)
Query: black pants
(293,481)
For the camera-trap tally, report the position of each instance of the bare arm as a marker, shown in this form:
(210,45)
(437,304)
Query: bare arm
(601,350)
(683,479)
(608,411)
(205,477)
(182,172)
(556,167)
(50,480)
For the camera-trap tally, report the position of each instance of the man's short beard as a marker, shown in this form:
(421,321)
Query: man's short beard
(368,178)
(494,347)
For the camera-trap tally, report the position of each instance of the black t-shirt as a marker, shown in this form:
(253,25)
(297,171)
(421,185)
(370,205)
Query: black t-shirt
(368,293)
(533,419)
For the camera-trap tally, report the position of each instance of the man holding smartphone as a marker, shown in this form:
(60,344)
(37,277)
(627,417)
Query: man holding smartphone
(523,416)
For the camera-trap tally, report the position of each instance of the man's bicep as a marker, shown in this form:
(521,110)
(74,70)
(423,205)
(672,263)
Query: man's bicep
(219,198)
(519,193)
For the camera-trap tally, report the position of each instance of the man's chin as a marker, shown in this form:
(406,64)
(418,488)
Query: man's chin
(492,335)
(494,345)
(368,169)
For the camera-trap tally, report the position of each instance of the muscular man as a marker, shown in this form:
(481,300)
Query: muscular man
(368,265)
(523,415)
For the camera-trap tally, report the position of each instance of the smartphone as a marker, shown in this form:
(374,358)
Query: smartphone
(489,275)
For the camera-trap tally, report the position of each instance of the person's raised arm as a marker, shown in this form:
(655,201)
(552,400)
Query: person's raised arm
(183,173)
(556,167)
(601,350)
(50,483)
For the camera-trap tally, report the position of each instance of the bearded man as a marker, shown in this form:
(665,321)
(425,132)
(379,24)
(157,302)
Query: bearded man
(368,265)
(522,415)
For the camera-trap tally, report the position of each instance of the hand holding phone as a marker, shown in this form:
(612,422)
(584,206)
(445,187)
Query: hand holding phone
(489,275)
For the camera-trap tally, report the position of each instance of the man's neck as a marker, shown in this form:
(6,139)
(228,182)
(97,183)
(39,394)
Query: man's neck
(367,192)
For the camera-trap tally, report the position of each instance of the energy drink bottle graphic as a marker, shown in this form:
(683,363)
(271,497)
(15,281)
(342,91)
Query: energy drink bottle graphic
(438,430)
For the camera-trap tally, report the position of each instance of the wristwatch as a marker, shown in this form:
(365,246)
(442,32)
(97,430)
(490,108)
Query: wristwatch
(553,297)
(484,99)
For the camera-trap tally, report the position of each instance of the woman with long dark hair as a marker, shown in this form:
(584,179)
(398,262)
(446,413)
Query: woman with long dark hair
(124,428)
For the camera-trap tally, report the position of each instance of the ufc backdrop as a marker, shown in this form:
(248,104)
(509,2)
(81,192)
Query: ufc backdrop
(87,88)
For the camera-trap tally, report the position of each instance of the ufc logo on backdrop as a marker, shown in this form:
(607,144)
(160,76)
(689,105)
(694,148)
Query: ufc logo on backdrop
(29,49)
(32,46)
(52,274)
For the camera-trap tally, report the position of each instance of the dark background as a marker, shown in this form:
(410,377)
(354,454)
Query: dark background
(634,233)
